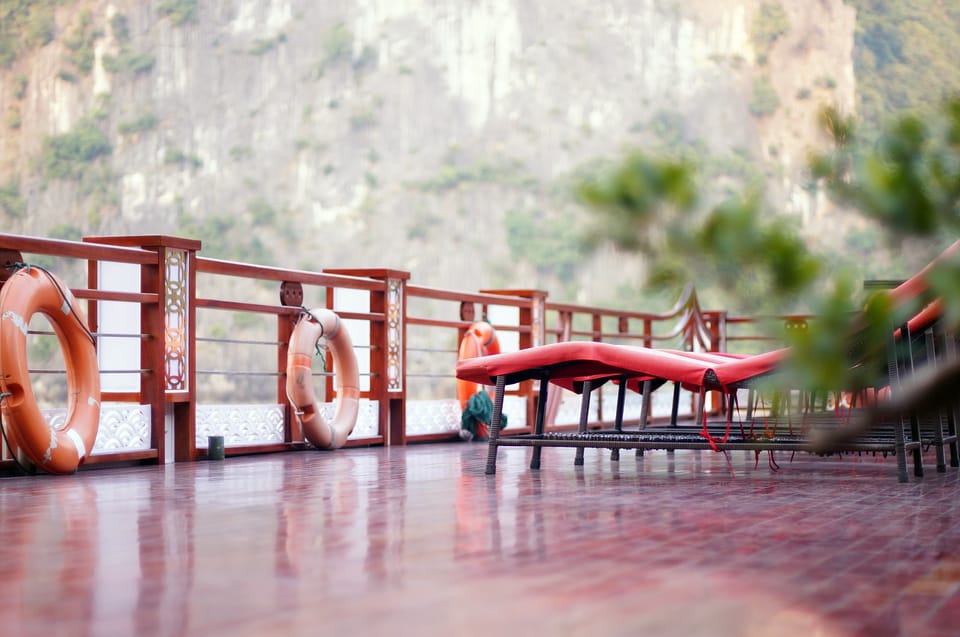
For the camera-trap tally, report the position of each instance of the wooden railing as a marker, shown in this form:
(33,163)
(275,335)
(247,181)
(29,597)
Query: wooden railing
(205,336)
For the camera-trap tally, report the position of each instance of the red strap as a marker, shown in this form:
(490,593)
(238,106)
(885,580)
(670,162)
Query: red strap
(706,432)
(726,435)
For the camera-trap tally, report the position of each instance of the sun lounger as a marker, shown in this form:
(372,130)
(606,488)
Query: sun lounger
(583,366)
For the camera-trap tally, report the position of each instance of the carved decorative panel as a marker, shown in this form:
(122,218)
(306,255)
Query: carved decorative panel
(175,299)
(394,335)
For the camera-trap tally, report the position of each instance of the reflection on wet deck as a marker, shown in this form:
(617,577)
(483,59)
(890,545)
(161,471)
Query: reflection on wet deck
(416,540)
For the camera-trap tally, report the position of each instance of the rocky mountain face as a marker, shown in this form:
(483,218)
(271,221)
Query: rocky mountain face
(436,136)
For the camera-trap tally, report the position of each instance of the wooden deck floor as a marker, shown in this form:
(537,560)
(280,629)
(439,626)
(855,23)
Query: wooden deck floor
(417,541)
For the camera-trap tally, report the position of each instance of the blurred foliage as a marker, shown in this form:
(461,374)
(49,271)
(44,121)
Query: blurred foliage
(908,182)
(656,206)
(633,198)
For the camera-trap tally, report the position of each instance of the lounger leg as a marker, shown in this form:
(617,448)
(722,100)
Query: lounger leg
(901,452)
(941,454)
(584,416)
(538,427)
(893,379)
(952,432)
(676,405)
(905,337)
(645,406)
(950,354)
(918,451)
(618,424)
(931,345)
(495,425)
(702,408)
(644,410)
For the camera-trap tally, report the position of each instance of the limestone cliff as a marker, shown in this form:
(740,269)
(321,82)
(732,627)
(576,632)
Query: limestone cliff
(412,134)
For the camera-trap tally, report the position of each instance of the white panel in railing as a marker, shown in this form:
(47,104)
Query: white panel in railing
(426,417)
(347,300)
(263,424)
(662,402)
(505,315)
(368,420)
(123,427)
(515,408)
(240,424)
(118,347)
(569,412)
(432,416)
(632,403)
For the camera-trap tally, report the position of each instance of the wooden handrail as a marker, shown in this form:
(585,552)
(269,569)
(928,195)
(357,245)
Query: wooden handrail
(76,249)
(440,294)
(207,265)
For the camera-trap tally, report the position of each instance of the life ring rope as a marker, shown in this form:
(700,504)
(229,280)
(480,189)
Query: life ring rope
(320,350)
(67,301)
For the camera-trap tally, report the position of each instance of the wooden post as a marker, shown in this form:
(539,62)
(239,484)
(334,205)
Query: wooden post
(388,357)
(291,295)
(169,348)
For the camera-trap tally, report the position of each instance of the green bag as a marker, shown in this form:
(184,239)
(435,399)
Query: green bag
(476,418)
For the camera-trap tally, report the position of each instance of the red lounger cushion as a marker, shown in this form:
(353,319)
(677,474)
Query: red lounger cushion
(567,364)
(582,360)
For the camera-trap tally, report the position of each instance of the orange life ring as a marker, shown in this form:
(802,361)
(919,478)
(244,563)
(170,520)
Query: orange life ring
(28,291)
(480,340)
(316,324)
